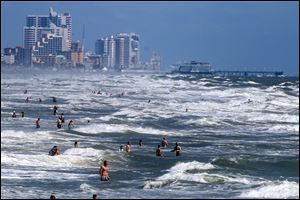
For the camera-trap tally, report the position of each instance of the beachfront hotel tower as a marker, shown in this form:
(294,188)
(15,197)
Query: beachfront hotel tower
(119,51)
(54,23)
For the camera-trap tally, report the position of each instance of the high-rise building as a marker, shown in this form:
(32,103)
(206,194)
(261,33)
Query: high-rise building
(111,51)
(134,49)
(121,51)
(66,22)
(155,61)
(99,46)
(37,25)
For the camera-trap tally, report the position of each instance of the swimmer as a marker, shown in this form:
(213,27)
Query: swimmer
(54,99)
(164,142)
(177,149)
(128,147)
(186,110)
(94,196)
(75,144)
(14,115)
(40,100)
(25,92)
(71,124)
(121,148)
(59,125)
(27,99)
(54,151)
(158,151)
(149,101)
(37,123)
(55,110)
(104,172)
(88,121)
(141,143)
(52,196)
(62,118)
(23,114)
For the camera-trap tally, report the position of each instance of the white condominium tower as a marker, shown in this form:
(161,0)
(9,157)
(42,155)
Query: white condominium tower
(57,24)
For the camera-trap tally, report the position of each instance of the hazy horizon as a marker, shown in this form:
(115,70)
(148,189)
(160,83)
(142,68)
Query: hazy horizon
(247,35)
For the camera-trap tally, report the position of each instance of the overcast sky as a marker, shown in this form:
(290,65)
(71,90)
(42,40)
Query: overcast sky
(236,35)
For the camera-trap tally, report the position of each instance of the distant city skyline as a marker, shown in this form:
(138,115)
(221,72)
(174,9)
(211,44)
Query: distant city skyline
(255,34)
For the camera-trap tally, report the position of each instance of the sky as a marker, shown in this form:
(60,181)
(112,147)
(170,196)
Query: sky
(229,35)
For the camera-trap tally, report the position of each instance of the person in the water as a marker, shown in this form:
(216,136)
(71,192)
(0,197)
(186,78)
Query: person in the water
(158,151)
(164,142)
(37,123)
(54,99)
(54,151)
(71,124)
(141,143)
(177,149)
(59,124)
(14,115)
(75,144)
(62,118)
(121,148)
(128,147)
(55,110)
(104,172)
(23,114)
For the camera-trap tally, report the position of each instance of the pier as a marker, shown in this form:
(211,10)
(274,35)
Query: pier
(247,73)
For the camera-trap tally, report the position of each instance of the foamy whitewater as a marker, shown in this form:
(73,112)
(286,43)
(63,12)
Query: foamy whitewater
(240,136)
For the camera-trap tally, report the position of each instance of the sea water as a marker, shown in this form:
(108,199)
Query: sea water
(239,136)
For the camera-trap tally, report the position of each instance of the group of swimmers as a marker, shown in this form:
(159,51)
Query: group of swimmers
(14,114)
(108,94)
(103,171)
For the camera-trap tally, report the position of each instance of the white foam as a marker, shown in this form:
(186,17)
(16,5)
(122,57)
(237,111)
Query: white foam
(290,128)
(203,122)
(71,159)
(180,172)
(182,167)
(11,136)
(280,190)
(111,128)
(88,188)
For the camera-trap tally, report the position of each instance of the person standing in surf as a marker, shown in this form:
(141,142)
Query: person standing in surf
(177,149)
(128,147)
(158,151)
(104,172)
(14,115)
(37,123)
(141,143)
(164,142)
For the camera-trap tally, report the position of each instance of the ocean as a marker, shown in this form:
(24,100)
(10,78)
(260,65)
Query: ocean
(239,135)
